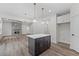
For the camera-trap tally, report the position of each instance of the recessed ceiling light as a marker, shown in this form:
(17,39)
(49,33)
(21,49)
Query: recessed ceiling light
(42,22)
(34,20)
(50,11)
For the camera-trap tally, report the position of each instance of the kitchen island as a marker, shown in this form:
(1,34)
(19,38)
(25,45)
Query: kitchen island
(38,43)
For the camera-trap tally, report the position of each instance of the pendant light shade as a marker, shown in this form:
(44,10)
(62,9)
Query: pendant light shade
(34,19)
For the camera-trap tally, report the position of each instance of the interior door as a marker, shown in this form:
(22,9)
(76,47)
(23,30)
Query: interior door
(75,33)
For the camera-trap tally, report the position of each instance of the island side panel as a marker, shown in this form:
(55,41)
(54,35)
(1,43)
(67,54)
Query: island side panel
(42,44)
(31,46)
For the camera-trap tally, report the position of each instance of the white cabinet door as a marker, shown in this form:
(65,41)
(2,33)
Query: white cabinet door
(75,30)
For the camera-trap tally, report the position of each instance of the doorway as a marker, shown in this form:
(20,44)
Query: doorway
(63,34)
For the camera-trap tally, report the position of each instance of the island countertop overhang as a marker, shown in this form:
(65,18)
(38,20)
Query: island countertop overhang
(34,36)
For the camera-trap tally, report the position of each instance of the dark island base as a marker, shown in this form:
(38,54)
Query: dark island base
(39,45)
(40,52)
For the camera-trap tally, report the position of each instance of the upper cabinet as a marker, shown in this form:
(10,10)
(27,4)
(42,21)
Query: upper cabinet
(63,18)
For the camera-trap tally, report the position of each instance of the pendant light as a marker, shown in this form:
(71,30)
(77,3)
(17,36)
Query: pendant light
(43,21)
(34,19)
(42,12)
(42,15)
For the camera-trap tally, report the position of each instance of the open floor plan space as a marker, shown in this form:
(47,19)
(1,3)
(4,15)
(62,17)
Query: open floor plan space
(39,29)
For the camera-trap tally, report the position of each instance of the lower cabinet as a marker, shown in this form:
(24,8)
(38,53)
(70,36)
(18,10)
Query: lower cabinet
(39,45)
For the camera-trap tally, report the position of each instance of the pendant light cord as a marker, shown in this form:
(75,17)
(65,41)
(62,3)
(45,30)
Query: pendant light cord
(34,10)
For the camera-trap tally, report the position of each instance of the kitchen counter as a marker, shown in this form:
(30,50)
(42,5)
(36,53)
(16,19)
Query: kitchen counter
(37,35)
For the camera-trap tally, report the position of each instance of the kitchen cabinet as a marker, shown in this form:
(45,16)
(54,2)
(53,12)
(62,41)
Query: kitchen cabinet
(38,45)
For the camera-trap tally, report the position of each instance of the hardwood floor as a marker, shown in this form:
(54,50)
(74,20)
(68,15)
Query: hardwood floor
(66,45)
(57,50)
(18,46)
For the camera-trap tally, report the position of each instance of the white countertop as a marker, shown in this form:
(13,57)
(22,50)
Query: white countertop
(34,36)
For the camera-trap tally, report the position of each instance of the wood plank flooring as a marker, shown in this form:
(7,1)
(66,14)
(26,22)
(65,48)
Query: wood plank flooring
(57,50)
(18,46)
(66,45)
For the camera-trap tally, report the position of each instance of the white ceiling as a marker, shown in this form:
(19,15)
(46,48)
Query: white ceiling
(20,9)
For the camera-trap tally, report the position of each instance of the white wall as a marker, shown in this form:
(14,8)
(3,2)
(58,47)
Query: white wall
(75,27)
(39,28)
(52,28)
(25,28)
